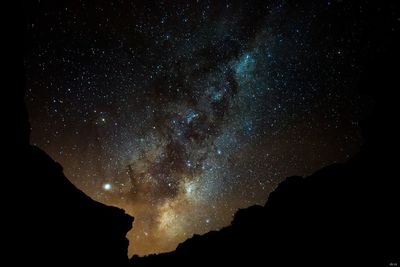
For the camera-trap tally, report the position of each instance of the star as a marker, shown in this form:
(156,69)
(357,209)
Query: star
(107,186)
(191,111)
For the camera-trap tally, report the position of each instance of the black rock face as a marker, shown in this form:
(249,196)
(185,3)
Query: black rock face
(334,217)
(45,219)
(343,215)
(62,224)
(49,222)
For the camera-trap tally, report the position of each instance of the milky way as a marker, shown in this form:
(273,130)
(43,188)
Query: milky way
(181,113)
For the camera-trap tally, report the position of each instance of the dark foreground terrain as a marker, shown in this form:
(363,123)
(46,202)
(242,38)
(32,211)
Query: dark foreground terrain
(343,215)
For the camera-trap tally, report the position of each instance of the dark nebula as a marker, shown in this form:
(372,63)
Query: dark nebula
(181,112)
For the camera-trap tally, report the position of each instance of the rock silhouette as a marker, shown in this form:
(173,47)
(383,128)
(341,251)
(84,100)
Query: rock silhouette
(65,225)
(327,219)
(343,215)
(46,220)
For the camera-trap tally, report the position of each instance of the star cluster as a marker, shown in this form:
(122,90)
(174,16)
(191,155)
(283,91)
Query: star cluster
(183,112)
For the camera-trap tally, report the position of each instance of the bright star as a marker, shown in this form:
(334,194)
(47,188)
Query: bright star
(189,163)
(107,186)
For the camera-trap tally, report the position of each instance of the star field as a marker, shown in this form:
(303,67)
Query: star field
(182,112)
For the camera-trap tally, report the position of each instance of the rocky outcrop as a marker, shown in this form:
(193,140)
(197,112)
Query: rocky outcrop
(62,224)
(343,215)
(334,217)
(46,220)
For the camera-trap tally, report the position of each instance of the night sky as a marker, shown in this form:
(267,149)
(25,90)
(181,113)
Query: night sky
(182,112)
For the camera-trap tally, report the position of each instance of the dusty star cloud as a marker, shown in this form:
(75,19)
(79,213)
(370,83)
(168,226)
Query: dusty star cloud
(181,113)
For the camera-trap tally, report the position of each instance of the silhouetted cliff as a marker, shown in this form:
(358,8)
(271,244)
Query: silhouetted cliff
(333,217)
(62,224)
(46,220)
(345,214)
(53,222)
